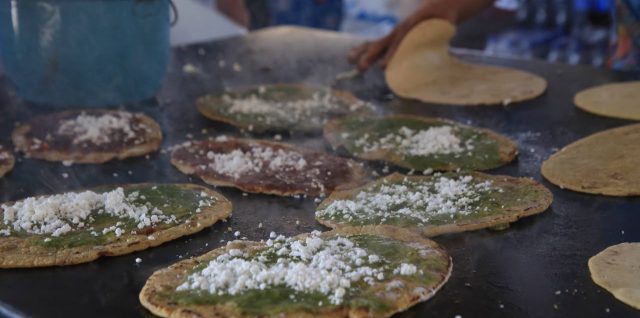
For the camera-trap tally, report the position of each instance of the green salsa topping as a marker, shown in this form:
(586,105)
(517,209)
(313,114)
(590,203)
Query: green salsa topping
(274,300)
(172,200)
(477,201)
(483,155)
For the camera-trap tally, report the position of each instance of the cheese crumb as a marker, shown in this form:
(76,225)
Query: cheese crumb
(312,109)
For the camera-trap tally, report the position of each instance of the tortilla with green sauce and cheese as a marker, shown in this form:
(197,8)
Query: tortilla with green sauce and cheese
(281,107)
(7,160)
(421,143)
(79,227)
(437,204)
(364,272)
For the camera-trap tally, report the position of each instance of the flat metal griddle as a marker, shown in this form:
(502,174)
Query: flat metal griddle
(537,268)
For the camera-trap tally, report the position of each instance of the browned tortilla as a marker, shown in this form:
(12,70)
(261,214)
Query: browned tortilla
(6,161)
(422,68)
(39,138)
(323,172)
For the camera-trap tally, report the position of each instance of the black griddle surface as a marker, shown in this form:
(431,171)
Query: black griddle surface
(536,268)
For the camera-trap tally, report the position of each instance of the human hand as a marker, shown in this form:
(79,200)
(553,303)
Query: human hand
(455,11)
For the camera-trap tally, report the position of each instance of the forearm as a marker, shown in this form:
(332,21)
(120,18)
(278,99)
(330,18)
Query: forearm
(456,11)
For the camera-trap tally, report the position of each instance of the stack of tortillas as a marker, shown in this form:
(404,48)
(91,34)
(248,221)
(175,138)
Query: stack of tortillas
(603,163)
(618,100)
(423,69)
(617,269)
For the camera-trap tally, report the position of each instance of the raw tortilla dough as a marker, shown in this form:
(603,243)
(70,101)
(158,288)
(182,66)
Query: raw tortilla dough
(423,69)
(618,100)
(604,163)
(617,269)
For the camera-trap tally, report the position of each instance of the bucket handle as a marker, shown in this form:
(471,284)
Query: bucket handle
(174,10)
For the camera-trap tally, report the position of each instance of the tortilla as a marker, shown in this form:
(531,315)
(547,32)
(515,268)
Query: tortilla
(281,107)
(618,100)
(22,249)
(260,166)
(6,161)
(604,163)
(477,149)
(506,200)
(422,68)
(88,136)
(392,294)
(617,269)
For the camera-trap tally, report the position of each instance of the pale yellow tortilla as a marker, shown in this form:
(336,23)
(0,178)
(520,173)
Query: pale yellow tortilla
(423,69)
(603,163)
(617,269)
(618,100)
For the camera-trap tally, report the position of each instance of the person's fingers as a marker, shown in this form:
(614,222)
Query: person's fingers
(356,52)
(393,47)
(373,53)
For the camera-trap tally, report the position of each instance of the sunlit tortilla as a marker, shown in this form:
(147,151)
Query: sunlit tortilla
(618,100)
(603,163)
(422,68)
(617,269)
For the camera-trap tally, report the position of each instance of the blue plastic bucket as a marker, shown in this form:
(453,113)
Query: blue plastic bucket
(85,52)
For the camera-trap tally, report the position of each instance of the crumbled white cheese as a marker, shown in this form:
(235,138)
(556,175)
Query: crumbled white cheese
(409,142)
(406,269)
(237,162)
(328,266)
(100,129)
(411,199)
(314,109)
(56,215)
